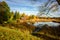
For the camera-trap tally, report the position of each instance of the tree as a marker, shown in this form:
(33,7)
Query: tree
(17,15)
(31,17)
(23,15)
(47,7)
(11,16)
(4,12)
(58,1)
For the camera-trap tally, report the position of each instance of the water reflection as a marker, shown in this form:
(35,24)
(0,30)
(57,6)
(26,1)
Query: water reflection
(40,24)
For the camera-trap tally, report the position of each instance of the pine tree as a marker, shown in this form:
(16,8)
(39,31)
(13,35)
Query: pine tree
(17,15)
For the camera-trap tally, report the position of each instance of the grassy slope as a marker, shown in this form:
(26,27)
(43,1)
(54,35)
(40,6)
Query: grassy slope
(22,31)
(11,34)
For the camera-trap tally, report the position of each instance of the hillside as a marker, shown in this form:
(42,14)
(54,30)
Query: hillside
(26,31)
(11,34)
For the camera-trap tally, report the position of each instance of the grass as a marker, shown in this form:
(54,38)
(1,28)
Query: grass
(11,34)
(20,26)
(23,31)
(47,33)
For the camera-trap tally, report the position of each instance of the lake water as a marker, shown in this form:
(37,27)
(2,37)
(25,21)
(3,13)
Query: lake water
(40,24)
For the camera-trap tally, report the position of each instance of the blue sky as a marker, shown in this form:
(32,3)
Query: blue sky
(27,6)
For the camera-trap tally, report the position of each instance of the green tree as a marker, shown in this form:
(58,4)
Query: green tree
(4,12)
(11,16)
(17,15)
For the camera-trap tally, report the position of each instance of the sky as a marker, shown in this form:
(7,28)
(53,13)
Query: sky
(28,6)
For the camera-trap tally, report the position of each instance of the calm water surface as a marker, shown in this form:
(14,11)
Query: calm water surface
(48,23)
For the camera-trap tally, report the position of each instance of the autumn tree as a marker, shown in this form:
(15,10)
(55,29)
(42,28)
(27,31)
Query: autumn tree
(31,16)
(23,15)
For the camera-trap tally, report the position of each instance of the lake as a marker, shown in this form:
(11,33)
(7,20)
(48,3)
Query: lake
(40,24)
